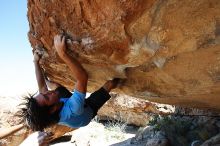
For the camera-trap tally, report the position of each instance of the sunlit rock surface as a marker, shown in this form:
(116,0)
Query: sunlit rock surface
(168,51)
(132,110)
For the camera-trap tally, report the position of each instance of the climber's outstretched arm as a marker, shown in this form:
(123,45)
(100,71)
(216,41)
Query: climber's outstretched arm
(39,74)
(76,68)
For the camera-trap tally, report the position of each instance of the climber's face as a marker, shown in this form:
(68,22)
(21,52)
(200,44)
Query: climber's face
(47,99)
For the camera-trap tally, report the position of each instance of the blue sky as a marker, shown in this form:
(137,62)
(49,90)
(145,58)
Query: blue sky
(16,60)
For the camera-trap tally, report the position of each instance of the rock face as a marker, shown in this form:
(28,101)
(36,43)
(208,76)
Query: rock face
(132,110)
(169,51)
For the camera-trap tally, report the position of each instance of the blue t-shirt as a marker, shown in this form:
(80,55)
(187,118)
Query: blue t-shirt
(73,113)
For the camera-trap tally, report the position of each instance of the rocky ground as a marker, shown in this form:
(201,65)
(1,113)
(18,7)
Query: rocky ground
(96,133)
(8,106)
(184,127)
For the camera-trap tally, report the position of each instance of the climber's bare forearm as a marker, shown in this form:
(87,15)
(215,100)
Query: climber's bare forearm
(76,68)
(40,78)
(78,72)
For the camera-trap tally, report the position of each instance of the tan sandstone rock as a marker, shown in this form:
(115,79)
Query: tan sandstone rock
(168,51)
(132,110)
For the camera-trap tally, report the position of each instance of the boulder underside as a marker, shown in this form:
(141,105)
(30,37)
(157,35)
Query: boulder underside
(168,51)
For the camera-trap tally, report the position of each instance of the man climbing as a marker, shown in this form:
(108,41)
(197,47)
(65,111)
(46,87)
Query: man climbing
(59,105)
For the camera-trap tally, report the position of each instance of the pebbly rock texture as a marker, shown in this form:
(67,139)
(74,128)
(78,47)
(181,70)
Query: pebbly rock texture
(169,51)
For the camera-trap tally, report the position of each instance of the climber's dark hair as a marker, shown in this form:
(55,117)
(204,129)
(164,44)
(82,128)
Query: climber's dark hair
(39,117)
(35,116)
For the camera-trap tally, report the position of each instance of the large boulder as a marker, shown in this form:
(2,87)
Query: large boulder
(132,110)
(168,51)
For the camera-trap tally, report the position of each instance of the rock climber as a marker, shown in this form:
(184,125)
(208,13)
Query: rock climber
(59,106)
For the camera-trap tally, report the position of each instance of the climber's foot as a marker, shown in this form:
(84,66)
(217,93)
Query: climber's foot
(111,84)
